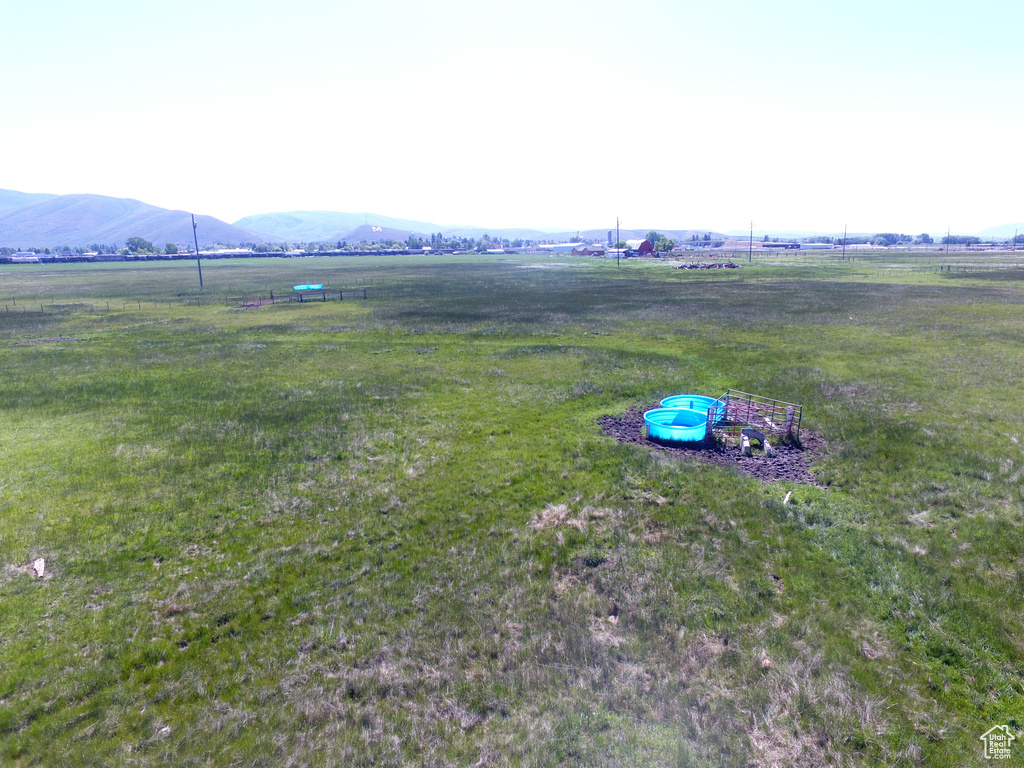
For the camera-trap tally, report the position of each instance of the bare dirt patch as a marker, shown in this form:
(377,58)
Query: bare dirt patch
(792,462)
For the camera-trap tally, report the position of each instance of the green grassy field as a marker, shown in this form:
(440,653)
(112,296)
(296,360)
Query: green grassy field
(390,532)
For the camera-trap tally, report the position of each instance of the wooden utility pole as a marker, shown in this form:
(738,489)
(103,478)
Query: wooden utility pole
(844,243)
(617,241)
(195,239)
(750,248)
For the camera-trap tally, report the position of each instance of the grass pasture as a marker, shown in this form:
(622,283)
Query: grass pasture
(389,532)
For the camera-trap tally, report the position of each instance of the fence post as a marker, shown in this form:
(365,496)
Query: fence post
(364,294)
(341,295)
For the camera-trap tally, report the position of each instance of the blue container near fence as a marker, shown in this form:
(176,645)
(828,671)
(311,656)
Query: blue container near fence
(678,425)
(696,403)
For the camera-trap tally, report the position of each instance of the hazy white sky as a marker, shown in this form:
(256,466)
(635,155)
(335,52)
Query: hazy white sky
(883,115)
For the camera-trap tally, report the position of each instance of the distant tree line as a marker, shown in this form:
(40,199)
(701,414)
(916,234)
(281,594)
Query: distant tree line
(661,243)
(438,242)
(706,240)
(60,249)
(880,238)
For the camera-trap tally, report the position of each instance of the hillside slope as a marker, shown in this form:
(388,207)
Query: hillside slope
(76,220)
(317,226)
(10,198)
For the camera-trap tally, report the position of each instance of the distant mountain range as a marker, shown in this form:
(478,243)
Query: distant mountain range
(325,226)
(1004,230)
(39,220)
(42,220)
(788,234)
(330,226)
(792,234)
(11,199)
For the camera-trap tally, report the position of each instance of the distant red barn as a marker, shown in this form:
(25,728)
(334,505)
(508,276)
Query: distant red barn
(640,247)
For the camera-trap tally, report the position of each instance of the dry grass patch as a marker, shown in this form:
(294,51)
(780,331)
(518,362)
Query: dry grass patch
(792,686)
(559,515)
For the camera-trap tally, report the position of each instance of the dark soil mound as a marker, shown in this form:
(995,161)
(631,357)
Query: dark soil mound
(791,462)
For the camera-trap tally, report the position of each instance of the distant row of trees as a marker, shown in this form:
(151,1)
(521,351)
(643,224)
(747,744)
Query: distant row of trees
(63,249)
(880,238)
(437,241)
(661,243)
(140,245)
(706,240)
(896,238)
(133,245)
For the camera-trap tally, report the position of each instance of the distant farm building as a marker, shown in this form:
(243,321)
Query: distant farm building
(640,247)
(781,246)
(560,247)
(816,246)
(227,253)
(589,250)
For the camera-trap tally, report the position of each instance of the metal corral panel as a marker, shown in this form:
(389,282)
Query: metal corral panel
(742,409)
